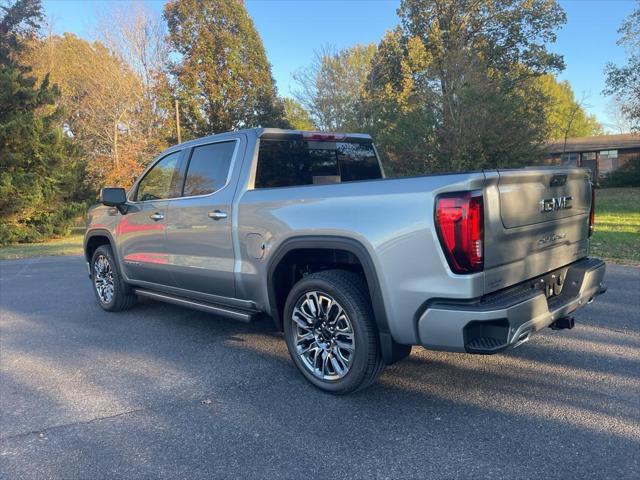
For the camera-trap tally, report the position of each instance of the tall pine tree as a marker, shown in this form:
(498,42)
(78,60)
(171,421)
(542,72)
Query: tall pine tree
(35,178)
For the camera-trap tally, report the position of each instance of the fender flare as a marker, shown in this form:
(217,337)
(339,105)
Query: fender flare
(100,232)
(391,351)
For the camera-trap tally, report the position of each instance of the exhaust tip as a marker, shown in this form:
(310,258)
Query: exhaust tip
(563,323)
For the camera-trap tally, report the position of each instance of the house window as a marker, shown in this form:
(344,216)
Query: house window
(569,159)
(588,160)
(609,154)
(608,162)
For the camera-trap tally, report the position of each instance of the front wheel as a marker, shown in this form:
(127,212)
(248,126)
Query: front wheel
(111,291)
(330,331)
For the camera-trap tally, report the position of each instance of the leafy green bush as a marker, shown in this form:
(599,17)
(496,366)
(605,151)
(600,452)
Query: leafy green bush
(626,176)
(42,226)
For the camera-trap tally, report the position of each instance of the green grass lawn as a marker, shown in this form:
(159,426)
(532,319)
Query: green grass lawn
(71,245)
(617,235)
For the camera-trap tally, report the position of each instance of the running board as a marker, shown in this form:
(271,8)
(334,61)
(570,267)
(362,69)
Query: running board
(228,312)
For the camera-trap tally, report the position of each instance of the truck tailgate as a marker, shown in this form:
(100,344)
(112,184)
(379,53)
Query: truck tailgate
(537,220)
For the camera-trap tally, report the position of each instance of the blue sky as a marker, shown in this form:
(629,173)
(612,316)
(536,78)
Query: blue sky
(292,30)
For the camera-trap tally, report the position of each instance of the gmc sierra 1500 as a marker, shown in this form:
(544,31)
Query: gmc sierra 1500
(304,227)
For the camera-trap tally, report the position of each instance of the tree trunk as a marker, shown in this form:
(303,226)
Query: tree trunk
(177,122)
(116,160)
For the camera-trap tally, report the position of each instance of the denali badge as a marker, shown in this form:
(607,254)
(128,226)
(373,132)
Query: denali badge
(552,238)
(556,203)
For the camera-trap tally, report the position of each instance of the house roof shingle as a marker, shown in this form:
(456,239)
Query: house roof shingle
(601,142)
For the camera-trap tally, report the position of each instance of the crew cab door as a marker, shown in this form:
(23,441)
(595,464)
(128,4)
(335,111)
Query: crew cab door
(199,226)
(141,232)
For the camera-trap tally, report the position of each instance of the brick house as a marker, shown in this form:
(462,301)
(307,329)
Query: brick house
(602,154)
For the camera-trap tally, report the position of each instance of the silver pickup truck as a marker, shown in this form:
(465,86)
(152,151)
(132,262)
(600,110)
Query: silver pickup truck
(304,228)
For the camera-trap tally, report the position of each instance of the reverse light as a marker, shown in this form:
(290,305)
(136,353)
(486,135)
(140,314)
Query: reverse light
(460,225)
(592,211)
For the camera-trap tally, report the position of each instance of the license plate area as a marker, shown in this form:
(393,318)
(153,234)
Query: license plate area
(552,283)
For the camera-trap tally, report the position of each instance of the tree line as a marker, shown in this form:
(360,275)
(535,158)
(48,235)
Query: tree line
(458,84)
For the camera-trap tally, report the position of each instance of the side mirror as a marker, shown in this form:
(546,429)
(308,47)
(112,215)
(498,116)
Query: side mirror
(114,197)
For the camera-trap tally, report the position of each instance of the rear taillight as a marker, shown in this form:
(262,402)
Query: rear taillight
(460,226)
(592,212)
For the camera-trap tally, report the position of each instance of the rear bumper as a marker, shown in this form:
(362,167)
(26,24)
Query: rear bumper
(507,318)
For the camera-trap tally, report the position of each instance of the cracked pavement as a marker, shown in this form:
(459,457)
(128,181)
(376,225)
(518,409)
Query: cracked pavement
(164,392)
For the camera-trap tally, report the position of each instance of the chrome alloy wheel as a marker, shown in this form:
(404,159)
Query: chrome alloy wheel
(103,278)
(323,335)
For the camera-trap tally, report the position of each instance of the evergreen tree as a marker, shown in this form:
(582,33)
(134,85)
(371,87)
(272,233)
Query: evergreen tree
(221,75)
(38,176)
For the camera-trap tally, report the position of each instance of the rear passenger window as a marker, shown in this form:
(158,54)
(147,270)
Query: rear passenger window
(208,168)
(292,162)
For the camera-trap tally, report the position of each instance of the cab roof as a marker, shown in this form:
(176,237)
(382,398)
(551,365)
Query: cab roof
(271,133)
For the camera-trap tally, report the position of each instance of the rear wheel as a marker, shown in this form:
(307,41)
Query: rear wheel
(330,331)
(111,291)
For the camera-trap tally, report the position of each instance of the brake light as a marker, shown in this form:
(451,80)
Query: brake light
(592,212)
(323,137)
(460,227)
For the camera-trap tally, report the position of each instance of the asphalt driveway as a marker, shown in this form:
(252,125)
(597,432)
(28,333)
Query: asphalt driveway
(164,392)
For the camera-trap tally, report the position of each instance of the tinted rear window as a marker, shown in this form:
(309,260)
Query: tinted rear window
(287,163)
(208,168)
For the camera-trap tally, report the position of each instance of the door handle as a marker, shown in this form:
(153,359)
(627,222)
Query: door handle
(217,215)
(156,216)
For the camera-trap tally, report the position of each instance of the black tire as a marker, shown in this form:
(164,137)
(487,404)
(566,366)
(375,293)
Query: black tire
(350,291)
(122,298)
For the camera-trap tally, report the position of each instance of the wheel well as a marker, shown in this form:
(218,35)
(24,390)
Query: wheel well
(299,263)
(93,243)
(303,260)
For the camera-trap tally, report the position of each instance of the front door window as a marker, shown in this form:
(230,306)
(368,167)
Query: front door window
(159,182)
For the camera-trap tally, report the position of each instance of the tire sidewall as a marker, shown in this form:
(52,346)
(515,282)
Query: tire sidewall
(356,314)
(117,289)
